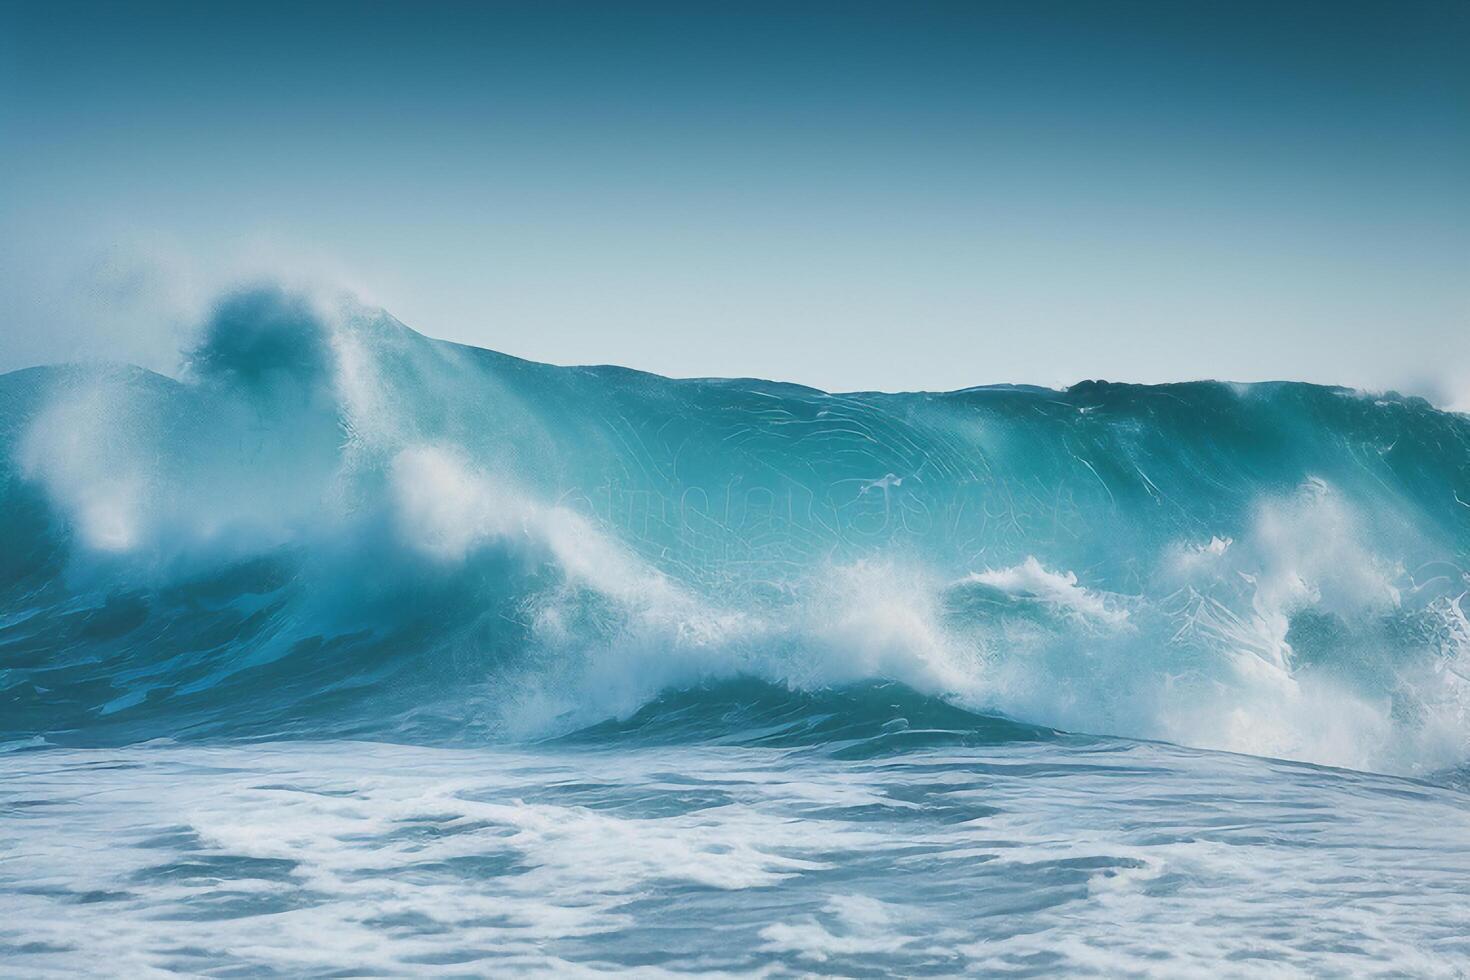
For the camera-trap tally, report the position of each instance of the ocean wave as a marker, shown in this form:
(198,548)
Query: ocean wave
(328,524)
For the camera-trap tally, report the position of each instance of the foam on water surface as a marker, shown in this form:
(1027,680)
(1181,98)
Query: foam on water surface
(1029,858)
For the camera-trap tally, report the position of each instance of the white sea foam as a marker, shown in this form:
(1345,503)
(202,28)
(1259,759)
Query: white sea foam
(1031,858)
(1059,590)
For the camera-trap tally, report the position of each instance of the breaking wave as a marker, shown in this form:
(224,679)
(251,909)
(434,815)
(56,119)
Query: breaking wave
(329,525)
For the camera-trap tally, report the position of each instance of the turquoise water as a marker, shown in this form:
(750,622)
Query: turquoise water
(351,652)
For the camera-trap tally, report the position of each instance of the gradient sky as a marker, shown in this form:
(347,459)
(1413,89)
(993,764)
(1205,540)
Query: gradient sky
(853,195)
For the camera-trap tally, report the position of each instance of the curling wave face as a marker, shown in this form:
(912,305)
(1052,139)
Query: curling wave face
(331,526)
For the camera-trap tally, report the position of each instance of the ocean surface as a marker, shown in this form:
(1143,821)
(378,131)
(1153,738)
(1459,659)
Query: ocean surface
(349,652)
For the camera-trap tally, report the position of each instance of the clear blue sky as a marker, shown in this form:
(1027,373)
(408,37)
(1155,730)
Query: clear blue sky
(853,195)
